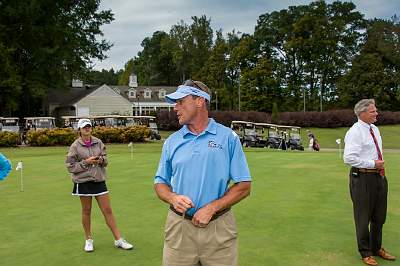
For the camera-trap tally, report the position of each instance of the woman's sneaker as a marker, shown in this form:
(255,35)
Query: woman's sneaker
(89,245)
(122,243)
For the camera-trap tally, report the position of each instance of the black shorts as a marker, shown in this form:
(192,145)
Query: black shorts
(90,188)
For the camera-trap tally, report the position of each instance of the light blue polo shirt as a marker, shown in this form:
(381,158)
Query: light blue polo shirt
(202,166)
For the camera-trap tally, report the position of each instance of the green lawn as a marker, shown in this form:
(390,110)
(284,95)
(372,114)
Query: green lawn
(327,136)
(299,211)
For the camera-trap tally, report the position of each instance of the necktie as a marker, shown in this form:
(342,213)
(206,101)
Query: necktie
(381,171)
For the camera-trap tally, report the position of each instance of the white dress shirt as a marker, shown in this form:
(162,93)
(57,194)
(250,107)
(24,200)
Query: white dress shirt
(360,150)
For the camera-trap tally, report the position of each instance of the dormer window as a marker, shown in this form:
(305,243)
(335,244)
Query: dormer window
(147,94)
(132,94)
(161,94)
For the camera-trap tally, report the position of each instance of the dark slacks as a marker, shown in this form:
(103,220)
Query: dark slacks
(368,192)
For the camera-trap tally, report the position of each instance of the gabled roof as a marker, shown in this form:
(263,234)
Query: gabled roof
(124,90)
(72,95)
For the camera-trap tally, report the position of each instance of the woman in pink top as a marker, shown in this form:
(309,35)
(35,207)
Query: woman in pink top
(86,161)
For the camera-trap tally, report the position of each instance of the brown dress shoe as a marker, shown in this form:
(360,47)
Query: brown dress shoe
(385,255)
(370,261)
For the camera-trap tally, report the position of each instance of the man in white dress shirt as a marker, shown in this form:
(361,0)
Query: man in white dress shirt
(368,184)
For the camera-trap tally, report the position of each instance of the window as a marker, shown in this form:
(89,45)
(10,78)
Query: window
(131,94)
(161,94)
(147,94)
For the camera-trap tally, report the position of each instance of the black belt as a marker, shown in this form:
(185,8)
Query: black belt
(366,170)
(190,217)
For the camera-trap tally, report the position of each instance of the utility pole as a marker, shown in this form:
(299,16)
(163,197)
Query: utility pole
(216,100)
(320,102)
(239,72)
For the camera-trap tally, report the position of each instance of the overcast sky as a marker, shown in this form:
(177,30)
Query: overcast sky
(138,19)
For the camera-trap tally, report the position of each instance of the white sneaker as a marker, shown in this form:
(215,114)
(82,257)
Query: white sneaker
(122,243)
(89,245)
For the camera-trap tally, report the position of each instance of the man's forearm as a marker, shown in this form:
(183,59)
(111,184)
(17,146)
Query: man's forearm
(235,194)
(164,192)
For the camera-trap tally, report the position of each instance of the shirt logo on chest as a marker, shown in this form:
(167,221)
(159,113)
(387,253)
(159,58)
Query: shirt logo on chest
(212,144)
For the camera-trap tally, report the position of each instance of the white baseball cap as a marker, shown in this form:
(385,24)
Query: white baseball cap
(84,122)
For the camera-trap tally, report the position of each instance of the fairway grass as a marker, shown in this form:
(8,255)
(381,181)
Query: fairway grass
(327,136)
(299,211)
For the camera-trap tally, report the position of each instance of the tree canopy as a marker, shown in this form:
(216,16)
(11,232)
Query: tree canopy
(43,45)
(307,57)
(310,57)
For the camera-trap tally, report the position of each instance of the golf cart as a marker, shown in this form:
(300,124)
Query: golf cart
(150,122)
(72,121)
(10,124)
(261,130)
(36,123)
(271,135)
(292,137)
(246,132)
(109,120)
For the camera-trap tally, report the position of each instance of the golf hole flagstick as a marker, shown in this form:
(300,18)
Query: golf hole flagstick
(19,168)
(131,146)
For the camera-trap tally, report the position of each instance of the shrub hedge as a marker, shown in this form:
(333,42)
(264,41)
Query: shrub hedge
(51,137)
(9,139)
(167,120)
(122,135)
(65,136)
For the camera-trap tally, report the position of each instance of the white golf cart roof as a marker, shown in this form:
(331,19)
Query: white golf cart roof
(39,117)
(289,127)
(265,125)
(9,118)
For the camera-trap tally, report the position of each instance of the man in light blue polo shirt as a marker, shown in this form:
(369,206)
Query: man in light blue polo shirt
(197,164)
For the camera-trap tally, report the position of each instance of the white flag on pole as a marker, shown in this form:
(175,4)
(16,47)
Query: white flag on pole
(338,141)
(130,144)
(19,166)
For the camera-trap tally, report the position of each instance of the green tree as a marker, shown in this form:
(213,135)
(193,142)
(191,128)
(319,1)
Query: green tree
(311,46)
(129,68)
(201,43)
(180,39)
(47,43)
(109,77)
(213,72)
(375,72)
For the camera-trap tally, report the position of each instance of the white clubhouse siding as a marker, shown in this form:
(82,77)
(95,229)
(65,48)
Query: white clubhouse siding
(104,101)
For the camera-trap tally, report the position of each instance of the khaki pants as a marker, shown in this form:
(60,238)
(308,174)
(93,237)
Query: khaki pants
(187,245)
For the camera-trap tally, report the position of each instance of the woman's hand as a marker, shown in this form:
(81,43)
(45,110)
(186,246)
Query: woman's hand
(92,160)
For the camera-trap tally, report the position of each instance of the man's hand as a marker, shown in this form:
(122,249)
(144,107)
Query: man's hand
(181,203)
(379,164)
(203,216)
